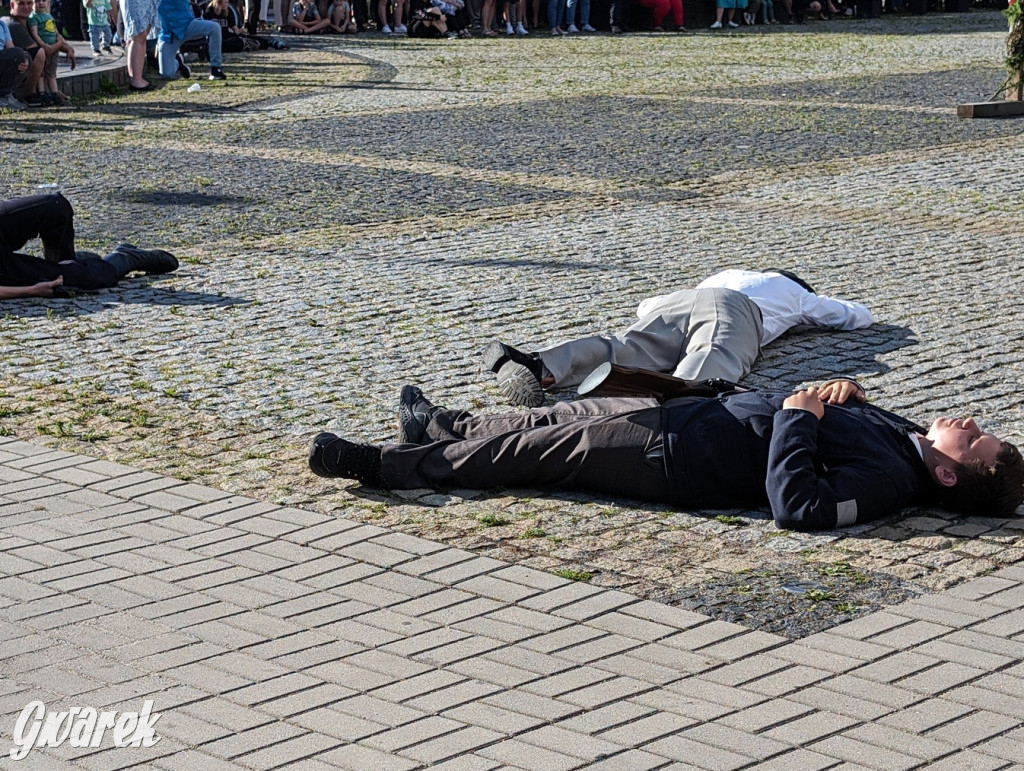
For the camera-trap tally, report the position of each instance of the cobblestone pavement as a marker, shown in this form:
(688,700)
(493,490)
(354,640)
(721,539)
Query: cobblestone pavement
(357,214)
(245,635)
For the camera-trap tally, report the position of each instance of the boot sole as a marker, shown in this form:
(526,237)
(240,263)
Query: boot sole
(519,386)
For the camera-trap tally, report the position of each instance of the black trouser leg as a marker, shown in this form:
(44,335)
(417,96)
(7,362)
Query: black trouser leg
(592,447)
(10,76)
(22,270)
(50,217)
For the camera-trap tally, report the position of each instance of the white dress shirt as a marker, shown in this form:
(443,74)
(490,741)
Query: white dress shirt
(784,304)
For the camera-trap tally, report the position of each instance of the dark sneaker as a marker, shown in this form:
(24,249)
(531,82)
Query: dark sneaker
(33,100)
(331,456)
(106,49)
(520,385)
(147,260)
(216,73)
(184,70)
(414,415)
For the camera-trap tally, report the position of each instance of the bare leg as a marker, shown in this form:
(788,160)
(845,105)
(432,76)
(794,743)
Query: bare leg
(137,60)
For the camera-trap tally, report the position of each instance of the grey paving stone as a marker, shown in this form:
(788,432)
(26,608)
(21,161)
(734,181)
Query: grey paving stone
(904,742)
(973,728)
(852,751)
(687,750)
(644,730)
(464,740)
(518,754)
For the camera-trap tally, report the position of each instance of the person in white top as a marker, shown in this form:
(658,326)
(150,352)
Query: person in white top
(715,330)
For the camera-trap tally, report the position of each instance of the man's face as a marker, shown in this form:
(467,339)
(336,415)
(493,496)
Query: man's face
(961,440)
(21,8)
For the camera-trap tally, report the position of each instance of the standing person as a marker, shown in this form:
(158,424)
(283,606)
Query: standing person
(51,219)
(584,6)
(724,9)
(177,24)
(99,24)
(713,331)
(556,9)
(139,17)
(819,458)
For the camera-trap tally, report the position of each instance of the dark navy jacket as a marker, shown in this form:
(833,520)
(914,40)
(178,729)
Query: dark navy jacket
(856,464)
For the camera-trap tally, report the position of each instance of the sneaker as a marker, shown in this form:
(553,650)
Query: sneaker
(216,73)
(107,49)
(401,29)
(497,354)
(588,28)
(521,30)
(184,70)
(616,30)
(385,30)
(508,29)
(332,456)
(45,100)
(716,25)
(733,25)
(95,52)
(573,30)
(12,103)
(33,100)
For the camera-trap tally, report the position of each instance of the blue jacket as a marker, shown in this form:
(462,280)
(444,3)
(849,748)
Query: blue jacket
(856,464)
(175,16)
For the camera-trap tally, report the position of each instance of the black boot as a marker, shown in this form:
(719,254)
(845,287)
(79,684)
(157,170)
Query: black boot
(331,456)
(497,354)
(415,412)
(127,258)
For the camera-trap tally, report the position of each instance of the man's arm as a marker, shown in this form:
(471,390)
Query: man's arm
(42,289)
(806,496)
(835,314)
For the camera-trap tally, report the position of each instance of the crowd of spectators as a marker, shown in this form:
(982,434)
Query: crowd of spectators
(30,39)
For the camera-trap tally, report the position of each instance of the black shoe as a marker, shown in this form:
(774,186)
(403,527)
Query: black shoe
(497,354)
(414,415)
(81,255)
(331,456)
(127,258)
(183,69)
(216,73)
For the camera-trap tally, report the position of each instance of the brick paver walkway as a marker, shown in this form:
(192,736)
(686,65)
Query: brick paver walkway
(357,213)
(269,636)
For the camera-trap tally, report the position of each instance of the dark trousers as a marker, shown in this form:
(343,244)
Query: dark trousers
(10,76)
(610,445)
(50,218)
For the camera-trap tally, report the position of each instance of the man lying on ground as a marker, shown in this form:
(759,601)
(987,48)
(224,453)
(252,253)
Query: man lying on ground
(51,219)
(820,458)
(715,330)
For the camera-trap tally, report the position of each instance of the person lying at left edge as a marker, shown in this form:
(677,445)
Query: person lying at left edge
(821,458)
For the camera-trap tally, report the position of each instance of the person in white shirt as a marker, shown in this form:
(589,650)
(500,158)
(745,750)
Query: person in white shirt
(715,330)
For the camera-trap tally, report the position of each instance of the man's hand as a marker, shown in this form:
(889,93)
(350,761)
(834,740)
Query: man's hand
(840,390)
(808,399)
